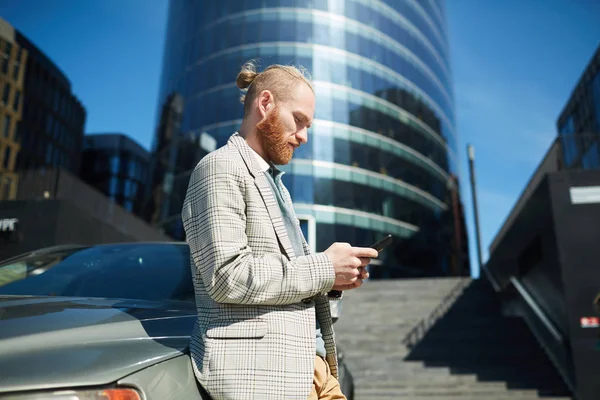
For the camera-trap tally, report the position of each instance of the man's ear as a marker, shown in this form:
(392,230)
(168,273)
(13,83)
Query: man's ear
(265,102)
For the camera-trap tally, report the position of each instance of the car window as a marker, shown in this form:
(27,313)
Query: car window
(133,271)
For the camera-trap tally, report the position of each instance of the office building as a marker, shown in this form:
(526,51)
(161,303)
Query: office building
(51,126)
(12,65)
(579,121)
(383,147)
(117,166)
(542,264)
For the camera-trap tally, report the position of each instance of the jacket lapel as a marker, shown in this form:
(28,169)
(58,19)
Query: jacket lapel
(260,180)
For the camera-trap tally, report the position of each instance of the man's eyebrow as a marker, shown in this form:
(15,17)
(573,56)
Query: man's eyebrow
(303,117)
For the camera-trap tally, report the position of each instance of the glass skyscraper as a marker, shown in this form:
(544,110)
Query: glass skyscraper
(382,151)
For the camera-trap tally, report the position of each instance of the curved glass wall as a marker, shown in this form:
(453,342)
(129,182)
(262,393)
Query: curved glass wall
(382,152)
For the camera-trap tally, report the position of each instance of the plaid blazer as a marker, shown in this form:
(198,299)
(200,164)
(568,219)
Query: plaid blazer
(257,301)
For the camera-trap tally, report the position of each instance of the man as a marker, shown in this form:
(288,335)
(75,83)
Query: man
(264,328)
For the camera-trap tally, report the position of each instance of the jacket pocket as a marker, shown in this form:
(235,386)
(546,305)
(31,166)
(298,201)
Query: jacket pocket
(237,329)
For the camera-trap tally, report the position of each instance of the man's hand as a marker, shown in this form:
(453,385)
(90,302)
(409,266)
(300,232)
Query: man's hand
(363,275)
(348,264)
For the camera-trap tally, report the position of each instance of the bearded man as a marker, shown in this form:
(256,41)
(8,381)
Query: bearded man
(264,327)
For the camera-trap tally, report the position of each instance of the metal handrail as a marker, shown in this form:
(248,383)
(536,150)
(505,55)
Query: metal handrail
(497,287)
(557,336)
(536,309)
(418,331)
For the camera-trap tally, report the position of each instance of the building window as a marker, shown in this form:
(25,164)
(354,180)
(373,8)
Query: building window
(99,165)
(112,189)
(128,205)
(6,161)
(591,159)
(5,186)
(55,129)
(18,138)
(568,127)
(127,189)
(49,122)
(596,95)
(17,100)
(7,49)
(16,66)
(6,126)
(114,165)
(61,136)
(49,150)
(131,169)
(5,64)
(6,93)
(56,156)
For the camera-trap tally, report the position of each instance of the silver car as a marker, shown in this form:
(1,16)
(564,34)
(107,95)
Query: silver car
(108,322)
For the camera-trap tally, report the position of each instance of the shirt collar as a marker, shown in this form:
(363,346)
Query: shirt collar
(264,166)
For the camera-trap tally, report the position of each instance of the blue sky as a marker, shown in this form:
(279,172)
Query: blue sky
(514,64)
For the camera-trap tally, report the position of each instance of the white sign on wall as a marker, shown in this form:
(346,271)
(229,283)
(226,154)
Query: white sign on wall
(585,194)
(8,224)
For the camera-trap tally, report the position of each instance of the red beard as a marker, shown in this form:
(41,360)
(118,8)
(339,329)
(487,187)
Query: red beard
(271,133)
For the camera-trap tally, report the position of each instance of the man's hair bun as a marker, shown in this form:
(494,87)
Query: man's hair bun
(246,75)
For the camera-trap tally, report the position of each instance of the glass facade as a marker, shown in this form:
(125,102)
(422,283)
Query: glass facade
(579,123)
(382,151)
(51,130)
(118,167)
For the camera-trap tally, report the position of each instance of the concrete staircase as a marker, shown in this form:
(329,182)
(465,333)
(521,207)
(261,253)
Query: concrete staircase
(471,352)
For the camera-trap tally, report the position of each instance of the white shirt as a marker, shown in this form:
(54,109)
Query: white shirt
(264,166)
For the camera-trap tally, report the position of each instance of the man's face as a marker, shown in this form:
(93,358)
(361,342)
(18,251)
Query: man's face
(284,127)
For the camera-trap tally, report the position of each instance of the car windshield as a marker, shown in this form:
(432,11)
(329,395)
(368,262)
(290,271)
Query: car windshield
(128,271)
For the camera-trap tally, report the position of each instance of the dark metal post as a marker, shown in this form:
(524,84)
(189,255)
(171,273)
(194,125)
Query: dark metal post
(471,153)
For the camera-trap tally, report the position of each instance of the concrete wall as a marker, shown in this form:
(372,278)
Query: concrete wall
(577,229)
(44,223)
(552,245)
(61,184)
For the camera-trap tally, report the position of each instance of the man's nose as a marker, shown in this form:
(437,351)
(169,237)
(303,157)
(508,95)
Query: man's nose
(302,135)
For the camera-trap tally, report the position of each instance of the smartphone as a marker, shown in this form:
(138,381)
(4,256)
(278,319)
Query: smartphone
(383,243)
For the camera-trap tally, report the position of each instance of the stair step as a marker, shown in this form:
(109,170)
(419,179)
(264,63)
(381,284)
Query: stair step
(460,392)
(472,336)
(396,396)
(471,352)
(468,322)
(421,379)
(477,351)
(438,386)
(494,370)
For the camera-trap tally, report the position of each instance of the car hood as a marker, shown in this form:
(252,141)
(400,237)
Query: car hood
(52,342)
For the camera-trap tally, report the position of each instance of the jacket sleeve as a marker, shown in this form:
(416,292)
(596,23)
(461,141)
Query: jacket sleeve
(214,219)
